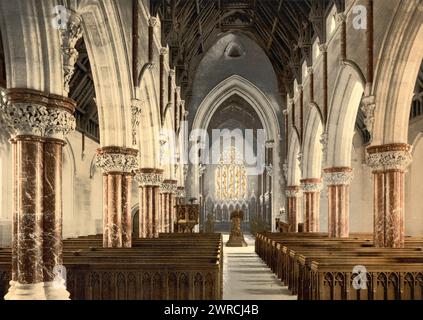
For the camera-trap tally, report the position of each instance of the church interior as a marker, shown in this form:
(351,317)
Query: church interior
(211,150)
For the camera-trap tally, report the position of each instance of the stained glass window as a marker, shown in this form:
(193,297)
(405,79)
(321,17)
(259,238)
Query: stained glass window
(230,177)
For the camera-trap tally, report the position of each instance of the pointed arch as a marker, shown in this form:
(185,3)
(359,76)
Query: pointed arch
(294,170)
(399,62)
(250,93)
(106,46)
(344,107)
(149,129)
(312,148)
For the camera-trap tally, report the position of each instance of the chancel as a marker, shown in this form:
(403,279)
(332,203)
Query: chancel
(137,136)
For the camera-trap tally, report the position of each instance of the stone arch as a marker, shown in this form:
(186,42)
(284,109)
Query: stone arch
(31,44)
(294,171)
(168,130)
(149,129)
(246,90)
(237,85)
(107,50)
(396,73)
(344,107)
(312,148)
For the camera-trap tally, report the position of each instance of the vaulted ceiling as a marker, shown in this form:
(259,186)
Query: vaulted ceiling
(283,28)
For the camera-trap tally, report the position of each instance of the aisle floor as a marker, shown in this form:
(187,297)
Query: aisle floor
(246,276)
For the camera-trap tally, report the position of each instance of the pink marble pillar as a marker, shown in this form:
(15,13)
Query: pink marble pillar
(338,182)
(293,194)
(37,122)
(389,163)
(150,181)
(118,165)
(311,204)
(168,190)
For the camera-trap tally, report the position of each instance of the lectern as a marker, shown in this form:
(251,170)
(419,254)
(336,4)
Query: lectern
(236,239)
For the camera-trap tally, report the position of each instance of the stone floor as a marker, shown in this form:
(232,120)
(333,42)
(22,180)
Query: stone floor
(246,277)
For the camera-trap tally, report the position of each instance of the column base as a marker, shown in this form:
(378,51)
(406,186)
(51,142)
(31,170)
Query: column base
(22,292)
(56,291)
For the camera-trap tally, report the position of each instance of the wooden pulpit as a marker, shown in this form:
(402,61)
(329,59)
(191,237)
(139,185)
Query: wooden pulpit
(187,217)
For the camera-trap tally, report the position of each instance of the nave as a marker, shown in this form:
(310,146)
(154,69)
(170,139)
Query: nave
(134,132)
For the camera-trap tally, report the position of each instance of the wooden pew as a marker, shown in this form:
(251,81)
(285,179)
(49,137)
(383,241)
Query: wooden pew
(172,267)
(298,260)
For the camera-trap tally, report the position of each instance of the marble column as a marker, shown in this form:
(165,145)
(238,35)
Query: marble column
(293,194)
(118,165)
(338,182)
(169,189)
(150,181)
(389,163)
(311,204)
(37,122)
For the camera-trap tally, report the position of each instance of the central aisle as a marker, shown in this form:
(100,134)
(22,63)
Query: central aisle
(246,276)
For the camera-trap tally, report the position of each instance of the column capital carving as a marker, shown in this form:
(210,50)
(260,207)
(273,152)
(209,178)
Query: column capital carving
(285,112)
(270,144)
(389,157)
(338,176)
(311,185)
(310,70)
(293,192)
(169,187)
(149,177)
(117,159)
(31,112)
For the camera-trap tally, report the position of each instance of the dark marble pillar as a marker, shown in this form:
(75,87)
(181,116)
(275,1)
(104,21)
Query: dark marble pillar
(389,163)
(338,182)
(311,204)
(118,165)
(293,194)
(150,181)
(37,122)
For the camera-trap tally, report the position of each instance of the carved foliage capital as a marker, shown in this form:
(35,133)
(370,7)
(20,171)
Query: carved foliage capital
(115,159)
(293,192)
(311,185)
(35,113)
(338,176)
(389,157)
(169,187)
(149,177)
